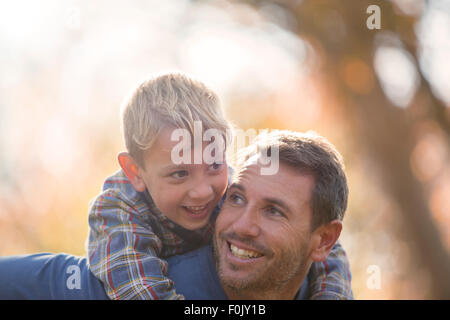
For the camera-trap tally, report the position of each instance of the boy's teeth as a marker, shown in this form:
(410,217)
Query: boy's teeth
(241,253)
(196,208)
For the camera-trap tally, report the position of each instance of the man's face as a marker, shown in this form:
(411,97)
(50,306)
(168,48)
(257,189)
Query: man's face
(185,193)
(262,236)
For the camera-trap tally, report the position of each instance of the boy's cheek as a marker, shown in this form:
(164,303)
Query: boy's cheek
(165,197)
(224,179)
(222,188)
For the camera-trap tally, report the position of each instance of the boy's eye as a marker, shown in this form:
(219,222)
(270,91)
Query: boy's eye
(216,166)
(179,174)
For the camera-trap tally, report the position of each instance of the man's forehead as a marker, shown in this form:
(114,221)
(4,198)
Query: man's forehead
(251,161)
(248,170)
(250,174)
(287,184)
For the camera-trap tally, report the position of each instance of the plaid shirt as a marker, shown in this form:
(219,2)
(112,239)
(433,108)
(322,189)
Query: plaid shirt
(129,238)
(331,279)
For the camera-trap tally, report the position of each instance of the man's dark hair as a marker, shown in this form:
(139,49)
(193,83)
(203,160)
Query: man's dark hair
(310,154)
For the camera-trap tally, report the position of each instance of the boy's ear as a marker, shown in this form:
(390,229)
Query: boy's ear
(324,238)
(131,169)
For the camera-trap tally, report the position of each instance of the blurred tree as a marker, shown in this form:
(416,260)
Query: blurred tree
(338,33)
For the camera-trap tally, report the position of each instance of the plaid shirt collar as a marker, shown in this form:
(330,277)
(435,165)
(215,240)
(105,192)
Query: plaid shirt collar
(194,238)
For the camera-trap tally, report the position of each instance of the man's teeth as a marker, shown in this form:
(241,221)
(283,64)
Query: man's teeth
(241,253)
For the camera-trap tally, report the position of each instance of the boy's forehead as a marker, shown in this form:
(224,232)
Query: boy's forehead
(163,142)
(163,146)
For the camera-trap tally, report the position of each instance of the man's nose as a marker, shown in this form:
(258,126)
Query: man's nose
(247,223)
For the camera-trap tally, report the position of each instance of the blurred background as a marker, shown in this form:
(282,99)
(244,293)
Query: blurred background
(382,96)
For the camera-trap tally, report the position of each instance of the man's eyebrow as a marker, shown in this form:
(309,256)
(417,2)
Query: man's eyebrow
(275,201)
(278,202)
(237,186)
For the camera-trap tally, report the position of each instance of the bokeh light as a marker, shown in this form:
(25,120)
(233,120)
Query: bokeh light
(67,66)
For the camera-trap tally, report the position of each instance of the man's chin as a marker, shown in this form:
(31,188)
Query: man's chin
(238,278)
(236,274)
(238,283)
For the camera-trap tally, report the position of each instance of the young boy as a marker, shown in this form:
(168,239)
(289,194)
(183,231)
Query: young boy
(155,207)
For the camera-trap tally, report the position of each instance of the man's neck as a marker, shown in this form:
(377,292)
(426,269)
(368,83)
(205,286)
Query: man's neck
(288,291)
(273,294)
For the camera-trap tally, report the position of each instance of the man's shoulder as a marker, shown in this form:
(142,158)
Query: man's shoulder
(48,276)
(194,275)
(193,258)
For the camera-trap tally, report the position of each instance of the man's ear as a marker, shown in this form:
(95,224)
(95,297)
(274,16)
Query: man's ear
(325,237)
(131,169)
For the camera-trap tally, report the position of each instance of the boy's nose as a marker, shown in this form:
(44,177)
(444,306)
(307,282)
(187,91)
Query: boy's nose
(202,191)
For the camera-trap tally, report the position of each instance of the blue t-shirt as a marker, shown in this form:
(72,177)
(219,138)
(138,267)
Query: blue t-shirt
(46,276)
(195,276)
(63,276)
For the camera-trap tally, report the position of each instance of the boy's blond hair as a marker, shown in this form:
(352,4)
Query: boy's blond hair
(171,99)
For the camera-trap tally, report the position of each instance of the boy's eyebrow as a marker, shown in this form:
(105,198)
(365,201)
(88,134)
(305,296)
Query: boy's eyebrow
(174,167)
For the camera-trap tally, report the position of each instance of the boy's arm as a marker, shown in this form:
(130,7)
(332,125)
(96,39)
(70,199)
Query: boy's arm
(123,252)
(331,279)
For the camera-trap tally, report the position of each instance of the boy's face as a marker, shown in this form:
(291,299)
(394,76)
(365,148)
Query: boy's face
(185,193)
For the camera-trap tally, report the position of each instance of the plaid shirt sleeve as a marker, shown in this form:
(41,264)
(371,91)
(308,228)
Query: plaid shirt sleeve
(123,251)
(331,279)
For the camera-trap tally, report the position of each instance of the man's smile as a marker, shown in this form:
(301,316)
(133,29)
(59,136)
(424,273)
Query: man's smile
(242,253)
(238,253)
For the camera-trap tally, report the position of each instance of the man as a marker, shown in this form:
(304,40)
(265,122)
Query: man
(270,230)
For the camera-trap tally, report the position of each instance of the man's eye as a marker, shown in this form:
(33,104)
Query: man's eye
(235,199)
(273,211)
(179,174)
